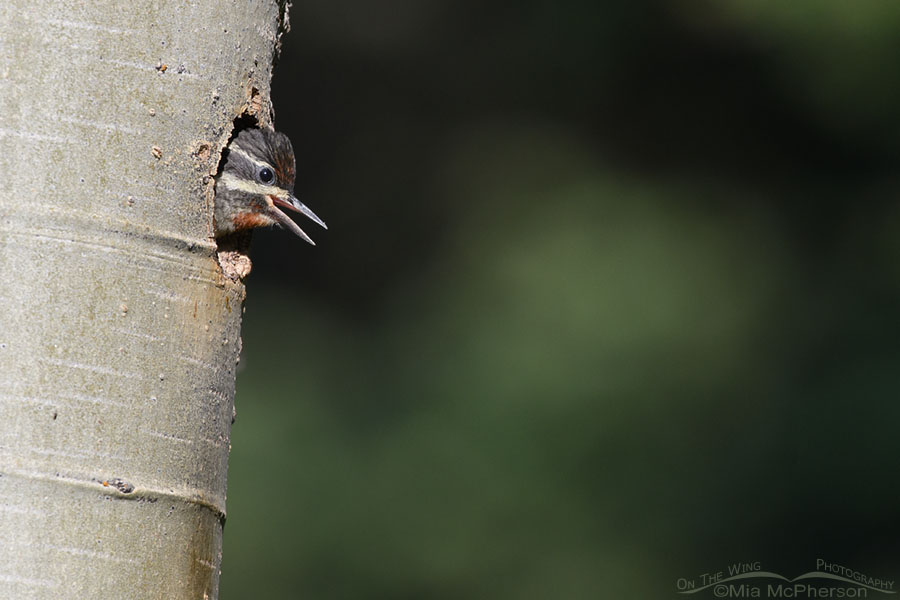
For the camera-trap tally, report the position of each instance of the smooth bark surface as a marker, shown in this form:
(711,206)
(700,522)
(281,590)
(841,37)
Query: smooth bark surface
(119,332)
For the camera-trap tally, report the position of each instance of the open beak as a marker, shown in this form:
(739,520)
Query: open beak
(293,204)
(303,209)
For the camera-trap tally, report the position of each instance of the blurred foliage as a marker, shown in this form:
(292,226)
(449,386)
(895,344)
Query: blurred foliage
(608,298)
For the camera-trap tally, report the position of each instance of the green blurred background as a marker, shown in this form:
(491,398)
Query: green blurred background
(609,297)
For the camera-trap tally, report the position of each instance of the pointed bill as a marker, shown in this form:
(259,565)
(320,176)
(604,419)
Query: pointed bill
(301,208)
(286,222)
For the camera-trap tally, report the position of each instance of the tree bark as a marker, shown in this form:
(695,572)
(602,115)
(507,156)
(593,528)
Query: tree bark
(119,331)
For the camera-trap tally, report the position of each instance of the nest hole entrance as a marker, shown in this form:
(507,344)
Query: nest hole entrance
(233,250)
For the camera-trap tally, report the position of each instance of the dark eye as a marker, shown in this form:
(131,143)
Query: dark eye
(266,175)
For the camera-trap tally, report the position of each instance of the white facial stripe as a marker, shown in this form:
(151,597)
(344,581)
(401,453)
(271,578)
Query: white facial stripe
(237,184)
(241,152)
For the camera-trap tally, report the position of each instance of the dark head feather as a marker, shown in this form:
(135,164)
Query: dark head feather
(271,147)
(247,195)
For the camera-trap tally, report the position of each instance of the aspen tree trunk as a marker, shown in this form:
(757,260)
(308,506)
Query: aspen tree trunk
(119,331)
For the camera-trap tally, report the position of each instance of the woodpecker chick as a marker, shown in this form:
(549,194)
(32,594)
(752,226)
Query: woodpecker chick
(256,182)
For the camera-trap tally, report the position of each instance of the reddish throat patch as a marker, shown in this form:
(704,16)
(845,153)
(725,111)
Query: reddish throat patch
(249,220)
